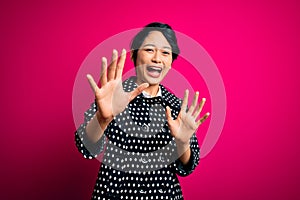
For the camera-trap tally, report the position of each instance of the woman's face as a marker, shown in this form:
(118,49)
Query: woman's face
(154,59)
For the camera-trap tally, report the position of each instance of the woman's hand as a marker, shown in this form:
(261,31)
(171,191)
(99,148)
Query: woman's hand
(186,123)
(111,99)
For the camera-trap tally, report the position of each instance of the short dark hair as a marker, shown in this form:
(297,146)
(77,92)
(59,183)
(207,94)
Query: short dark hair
(165,29)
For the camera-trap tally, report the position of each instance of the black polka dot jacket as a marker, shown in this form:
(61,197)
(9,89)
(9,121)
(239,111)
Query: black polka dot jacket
(140,159)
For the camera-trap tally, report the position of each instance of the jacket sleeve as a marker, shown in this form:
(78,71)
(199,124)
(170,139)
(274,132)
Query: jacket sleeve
(184,170)
(89,149)
(180,168)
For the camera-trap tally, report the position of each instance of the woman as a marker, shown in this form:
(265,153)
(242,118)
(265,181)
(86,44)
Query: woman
(146,131)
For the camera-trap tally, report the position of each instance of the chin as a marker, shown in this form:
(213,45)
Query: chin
(154,82)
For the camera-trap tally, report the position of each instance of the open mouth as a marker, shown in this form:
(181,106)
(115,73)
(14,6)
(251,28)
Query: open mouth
(154,71)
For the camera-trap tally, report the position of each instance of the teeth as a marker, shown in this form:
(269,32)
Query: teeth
(157,68)
(154,68)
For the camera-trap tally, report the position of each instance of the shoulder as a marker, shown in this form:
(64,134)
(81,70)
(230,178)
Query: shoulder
(170,99)
(129,84)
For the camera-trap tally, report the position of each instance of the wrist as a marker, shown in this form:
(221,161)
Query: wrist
(182,146)
(180,143)
(102,122)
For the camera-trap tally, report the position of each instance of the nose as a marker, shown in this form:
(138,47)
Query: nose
(156,57)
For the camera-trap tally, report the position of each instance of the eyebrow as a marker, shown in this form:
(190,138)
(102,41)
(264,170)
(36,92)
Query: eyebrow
(152,45)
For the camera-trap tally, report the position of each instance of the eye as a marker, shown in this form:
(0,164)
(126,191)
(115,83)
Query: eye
(149,50)
(166,52)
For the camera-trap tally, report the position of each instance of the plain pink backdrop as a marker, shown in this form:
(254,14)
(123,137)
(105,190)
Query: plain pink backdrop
(254,44)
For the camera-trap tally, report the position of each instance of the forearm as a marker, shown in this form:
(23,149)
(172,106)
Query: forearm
(96,127)
(189,155)
(184,152)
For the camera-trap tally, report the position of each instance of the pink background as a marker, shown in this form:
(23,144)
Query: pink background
(255,46)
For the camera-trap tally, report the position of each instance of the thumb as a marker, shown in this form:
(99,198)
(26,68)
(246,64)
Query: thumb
(138,90)
(168,114)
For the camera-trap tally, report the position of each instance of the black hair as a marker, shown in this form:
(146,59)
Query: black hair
(165,29)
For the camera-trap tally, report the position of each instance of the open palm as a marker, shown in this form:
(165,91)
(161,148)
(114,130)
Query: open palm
(186,123)
(111,99)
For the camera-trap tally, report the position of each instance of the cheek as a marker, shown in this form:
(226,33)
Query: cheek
(168,61)
(139,62)
(142,57)
(139,70)
(165,71)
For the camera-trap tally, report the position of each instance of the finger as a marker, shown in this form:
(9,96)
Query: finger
(185,101)
(168,114)
(103,75)
(202,119)
(170,120)
(120,65)
(138,90)
(112,66)
(194,103)
(93,84)
(199,108)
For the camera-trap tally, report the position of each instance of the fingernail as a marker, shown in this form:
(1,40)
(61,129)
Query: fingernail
(115,53)
(203,99)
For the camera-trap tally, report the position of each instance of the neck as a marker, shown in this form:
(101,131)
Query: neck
(151,90)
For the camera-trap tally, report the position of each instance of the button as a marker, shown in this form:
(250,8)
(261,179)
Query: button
(142,191)
(144,159)
(162,158)
(161,191)
(145,128)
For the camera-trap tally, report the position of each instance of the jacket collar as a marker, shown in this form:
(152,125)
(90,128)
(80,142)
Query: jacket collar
(169,99)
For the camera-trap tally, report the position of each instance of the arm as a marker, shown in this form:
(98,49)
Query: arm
(95,128)
(185,156)
(183,129)
(89,149)
(110,100)
(186,168)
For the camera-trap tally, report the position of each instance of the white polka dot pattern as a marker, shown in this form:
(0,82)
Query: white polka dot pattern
(140,159)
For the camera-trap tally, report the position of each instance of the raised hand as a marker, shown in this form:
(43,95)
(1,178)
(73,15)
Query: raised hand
(111,99)
(186,123)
